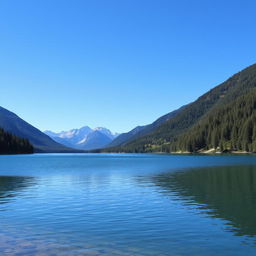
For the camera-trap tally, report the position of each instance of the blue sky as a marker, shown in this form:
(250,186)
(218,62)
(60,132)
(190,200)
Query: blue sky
(117,63)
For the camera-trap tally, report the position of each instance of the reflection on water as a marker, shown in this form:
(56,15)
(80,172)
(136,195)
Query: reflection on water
(228,193)
(69,205)
(10,186)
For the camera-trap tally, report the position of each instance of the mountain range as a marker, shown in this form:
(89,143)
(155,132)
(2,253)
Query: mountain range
(84,138)
(223,119)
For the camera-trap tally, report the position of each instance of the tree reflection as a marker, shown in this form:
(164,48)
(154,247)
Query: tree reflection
(10,186)
(228,193)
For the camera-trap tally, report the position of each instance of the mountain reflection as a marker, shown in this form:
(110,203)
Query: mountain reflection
(10,186)
(228,193)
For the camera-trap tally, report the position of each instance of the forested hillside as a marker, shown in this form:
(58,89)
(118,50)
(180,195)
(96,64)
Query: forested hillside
(223,119)
(13,124)
(141,131)
(232,127)
(10,144)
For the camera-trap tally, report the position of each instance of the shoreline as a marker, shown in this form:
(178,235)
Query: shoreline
(201,152)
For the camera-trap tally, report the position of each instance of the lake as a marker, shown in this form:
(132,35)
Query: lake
(127,204)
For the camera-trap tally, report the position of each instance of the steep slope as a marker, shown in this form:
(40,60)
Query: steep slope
(18,127)
(125,137)
(228,127)
(95,140)
(161,139)
(141,131)
(10,144)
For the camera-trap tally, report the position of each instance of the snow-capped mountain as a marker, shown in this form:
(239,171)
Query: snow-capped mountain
(84,138)
(107,132)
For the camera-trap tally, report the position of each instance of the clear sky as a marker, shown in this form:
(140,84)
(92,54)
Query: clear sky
(117,63)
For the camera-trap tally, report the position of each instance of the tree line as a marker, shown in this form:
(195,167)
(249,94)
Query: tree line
(10,144)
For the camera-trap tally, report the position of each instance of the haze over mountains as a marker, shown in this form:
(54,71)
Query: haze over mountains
(84,138)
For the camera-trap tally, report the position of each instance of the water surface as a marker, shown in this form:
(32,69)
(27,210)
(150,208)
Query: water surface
(127,204)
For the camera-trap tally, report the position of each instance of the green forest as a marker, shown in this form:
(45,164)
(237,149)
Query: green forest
(232,127)
(10,144)
(223,119)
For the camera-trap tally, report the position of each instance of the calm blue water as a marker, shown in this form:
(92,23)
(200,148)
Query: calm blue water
(127,204)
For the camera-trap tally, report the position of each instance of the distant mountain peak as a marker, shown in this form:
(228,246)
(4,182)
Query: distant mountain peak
(84,137)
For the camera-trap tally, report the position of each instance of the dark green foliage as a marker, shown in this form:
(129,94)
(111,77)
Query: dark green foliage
(10,144)
(15,125)
(222,118)
(229,127)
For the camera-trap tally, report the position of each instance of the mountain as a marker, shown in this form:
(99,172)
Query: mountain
(10,144)
(95,140)
(221,119)
(125,137)
(13,124)
(70,138)
(84,138)
(107,132)
(140,131)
